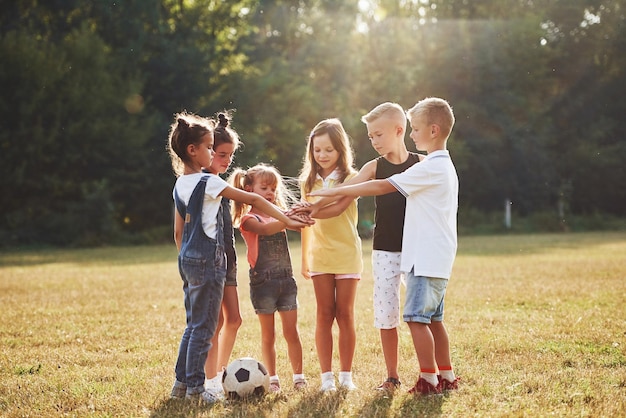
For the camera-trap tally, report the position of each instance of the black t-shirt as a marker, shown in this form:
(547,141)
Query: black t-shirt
(389,215)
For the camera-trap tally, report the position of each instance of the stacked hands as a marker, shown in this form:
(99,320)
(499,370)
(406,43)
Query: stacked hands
(301,215)
(303,212)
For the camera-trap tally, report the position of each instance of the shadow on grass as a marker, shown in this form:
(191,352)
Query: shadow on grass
(253,407)
(317,404)
(421,406)
(379,406)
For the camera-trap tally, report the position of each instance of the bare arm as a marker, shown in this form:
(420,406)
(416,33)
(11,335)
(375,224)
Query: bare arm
(331,206)
(259,203)
(260,228)
(369,188)
(179,224)
(305,235)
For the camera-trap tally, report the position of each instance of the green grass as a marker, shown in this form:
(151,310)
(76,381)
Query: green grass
(537,326)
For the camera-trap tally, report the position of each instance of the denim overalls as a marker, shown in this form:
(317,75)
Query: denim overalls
(272,285)
(202,266)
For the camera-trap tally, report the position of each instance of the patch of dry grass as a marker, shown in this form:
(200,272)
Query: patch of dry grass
(537,326)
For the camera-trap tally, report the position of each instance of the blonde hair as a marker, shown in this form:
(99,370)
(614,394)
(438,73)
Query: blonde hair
(339,140)
(434,111)
(187,129)
(240,179)
(388,109)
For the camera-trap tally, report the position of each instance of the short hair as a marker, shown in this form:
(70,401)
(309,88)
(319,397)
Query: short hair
(388,109)
(435,111)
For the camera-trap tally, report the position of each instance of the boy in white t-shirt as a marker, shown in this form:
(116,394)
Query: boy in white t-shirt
(429,241)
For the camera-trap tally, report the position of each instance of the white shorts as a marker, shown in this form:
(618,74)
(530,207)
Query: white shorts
(387,279)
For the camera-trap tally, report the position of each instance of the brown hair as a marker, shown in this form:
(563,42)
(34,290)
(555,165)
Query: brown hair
(223,133)
(187,129)
(340,141)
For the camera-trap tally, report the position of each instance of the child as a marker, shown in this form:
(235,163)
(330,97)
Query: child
(386,125)
(430,240)
(226,143)
(272,285)
(331,250)
(198,233)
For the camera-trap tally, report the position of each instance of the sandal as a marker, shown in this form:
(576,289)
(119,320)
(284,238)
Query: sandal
(389,385)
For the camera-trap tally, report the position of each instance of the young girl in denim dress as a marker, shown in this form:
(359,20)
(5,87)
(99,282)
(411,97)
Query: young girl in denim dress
(272,285)
(198,233)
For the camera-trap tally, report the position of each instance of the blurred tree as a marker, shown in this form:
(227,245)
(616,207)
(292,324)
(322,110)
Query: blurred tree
(90,88)
(62,105)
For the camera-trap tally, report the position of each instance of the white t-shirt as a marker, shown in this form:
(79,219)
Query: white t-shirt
(431,189)
(214,186)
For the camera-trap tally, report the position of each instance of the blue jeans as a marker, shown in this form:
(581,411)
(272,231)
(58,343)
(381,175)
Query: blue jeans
(203,286)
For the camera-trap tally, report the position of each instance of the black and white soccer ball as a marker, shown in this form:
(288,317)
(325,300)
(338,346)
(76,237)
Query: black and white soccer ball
(245,377)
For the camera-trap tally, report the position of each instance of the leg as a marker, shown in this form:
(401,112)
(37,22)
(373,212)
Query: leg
(210,366)
(386,298)
(205,301)
(389,342)
(324,286)
(232,322)
(442,343)
(292,337)
(346,295)
(268,338)
(424,345)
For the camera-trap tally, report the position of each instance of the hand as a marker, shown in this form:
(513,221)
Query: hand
(305,273)
(300,207)
(302,217)
(296,224)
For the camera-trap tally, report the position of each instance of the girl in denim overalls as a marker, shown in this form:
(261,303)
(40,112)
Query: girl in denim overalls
(272,285)
(198,233)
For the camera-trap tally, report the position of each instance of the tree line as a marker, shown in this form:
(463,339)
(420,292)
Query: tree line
(90,88)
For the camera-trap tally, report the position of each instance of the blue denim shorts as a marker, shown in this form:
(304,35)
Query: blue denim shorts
(424,299)
(273,291)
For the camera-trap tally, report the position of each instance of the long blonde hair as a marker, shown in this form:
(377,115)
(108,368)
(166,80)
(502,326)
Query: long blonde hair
(340,141)
(264,173)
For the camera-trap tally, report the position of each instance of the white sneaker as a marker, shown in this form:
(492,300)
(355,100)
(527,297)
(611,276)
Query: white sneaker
(348,385)
(345,380)
(328,386)
(208,396)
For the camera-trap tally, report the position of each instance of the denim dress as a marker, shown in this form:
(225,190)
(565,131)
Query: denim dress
(272,285)
(202,266)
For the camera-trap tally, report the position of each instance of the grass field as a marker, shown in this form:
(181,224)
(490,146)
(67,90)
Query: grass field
(537,326)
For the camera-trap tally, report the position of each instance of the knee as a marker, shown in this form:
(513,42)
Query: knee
(325,316)
(268,338)
(233,323)
(291,335)
(345,317)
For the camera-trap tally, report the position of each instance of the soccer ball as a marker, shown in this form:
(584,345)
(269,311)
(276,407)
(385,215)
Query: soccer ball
(245,377)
